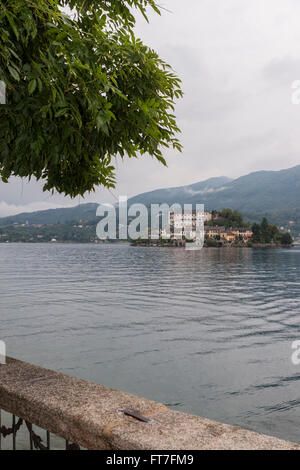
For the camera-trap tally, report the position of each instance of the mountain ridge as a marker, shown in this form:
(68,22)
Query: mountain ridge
(275,194)
(255,192)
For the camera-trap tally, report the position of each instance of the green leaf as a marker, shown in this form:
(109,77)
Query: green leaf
(12,24)
(61,112)
(32,86)
(14,73)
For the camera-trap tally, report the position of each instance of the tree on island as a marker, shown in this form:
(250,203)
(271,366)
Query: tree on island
(227,218)
(266,233)
(80,91)
(286,239)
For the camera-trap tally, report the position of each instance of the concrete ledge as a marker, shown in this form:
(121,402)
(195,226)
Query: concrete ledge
(86,414)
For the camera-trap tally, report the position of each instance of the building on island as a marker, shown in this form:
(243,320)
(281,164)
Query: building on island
(184,224)
(214,232)
(229,235)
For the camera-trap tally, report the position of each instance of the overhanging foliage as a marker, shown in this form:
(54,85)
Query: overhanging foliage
(80,91)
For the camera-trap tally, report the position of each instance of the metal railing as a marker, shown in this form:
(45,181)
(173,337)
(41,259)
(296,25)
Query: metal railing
(35,442)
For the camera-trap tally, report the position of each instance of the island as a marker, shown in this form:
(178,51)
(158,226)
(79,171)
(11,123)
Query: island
(225,228)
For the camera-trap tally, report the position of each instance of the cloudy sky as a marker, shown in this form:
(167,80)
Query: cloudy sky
(237,60)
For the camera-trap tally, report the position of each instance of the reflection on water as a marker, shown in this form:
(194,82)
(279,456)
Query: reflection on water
(207,332)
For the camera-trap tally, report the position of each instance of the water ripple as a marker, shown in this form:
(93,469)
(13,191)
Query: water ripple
(209,332)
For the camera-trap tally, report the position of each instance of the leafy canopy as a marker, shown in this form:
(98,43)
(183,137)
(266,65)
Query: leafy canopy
(80,91)
(227,218)
(268,233)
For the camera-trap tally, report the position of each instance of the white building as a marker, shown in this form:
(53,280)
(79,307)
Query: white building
(185,224)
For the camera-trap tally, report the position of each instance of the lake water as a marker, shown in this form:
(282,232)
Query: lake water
(206,332)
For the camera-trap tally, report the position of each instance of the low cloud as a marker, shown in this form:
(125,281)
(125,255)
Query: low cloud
(12,209)
(206,190)
(282,70)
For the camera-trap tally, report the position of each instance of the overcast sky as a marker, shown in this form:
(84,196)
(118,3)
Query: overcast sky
(237,60)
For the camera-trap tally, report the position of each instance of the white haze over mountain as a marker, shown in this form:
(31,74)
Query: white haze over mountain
(205,191)
(13,209)
(237,60)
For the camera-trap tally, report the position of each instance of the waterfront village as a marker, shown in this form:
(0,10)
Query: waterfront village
(222,229)
(183,226)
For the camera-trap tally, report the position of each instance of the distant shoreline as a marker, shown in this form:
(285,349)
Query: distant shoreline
(140,245)
(255,247)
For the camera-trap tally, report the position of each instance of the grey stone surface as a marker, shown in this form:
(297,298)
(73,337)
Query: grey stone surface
(87,414)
